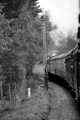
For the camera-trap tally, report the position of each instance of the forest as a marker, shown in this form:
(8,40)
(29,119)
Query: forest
(21,44)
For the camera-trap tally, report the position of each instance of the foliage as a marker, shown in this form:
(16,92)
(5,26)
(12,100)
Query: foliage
(67,44)
(5,44)
(10,69)
(27,39)
(12,7)
(37,108)
(21,40)
(34,8)
(20,45)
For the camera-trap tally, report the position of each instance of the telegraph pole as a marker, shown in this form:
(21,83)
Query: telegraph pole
(44,40)
(45,51)
(44,48)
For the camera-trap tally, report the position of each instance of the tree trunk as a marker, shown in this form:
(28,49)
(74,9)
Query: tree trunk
(10,92)
(22,76)
(1,92)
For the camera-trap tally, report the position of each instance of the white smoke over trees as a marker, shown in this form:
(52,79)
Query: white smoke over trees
(67,44)
(63,14)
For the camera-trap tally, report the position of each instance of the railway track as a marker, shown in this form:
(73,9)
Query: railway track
(63,106)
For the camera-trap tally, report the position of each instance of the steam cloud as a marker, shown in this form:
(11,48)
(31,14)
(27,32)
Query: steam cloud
(63,13)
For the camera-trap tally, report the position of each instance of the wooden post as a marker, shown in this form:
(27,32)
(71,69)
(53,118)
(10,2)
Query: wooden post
(44,40)
(1,92)
(10,92)
(45,51)
(15,94)
(29,92)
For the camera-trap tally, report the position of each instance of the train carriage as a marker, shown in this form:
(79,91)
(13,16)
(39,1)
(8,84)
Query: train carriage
(67,66)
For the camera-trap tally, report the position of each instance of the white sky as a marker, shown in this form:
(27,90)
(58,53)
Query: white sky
(64,13)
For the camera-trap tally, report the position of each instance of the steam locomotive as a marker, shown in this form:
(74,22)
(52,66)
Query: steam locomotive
(67,68)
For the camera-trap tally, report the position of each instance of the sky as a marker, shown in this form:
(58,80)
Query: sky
(63,13)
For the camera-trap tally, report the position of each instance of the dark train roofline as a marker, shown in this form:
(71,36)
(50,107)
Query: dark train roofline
(64,55)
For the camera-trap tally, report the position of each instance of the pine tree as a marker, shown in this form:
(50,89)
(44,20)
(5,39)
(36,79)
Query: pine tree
(23,42)
(34,8)
(12,7)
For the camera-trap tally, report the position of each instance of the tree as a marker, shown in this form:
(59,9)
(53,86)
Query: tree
(12,7)
(9,68)
(34,8)
(26,44)
(71,41)
(67,44)
(20,43)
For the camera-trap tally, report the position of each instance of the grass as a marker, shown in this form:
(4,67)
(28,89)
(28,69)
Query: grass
(36,108)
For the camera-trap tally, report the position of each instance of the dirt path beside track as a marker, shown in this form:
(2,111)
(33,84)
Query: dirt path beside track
(63,106)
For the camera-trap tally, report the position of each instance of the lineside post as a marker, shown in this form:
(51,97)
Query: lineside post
(45,51)
(44,48)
